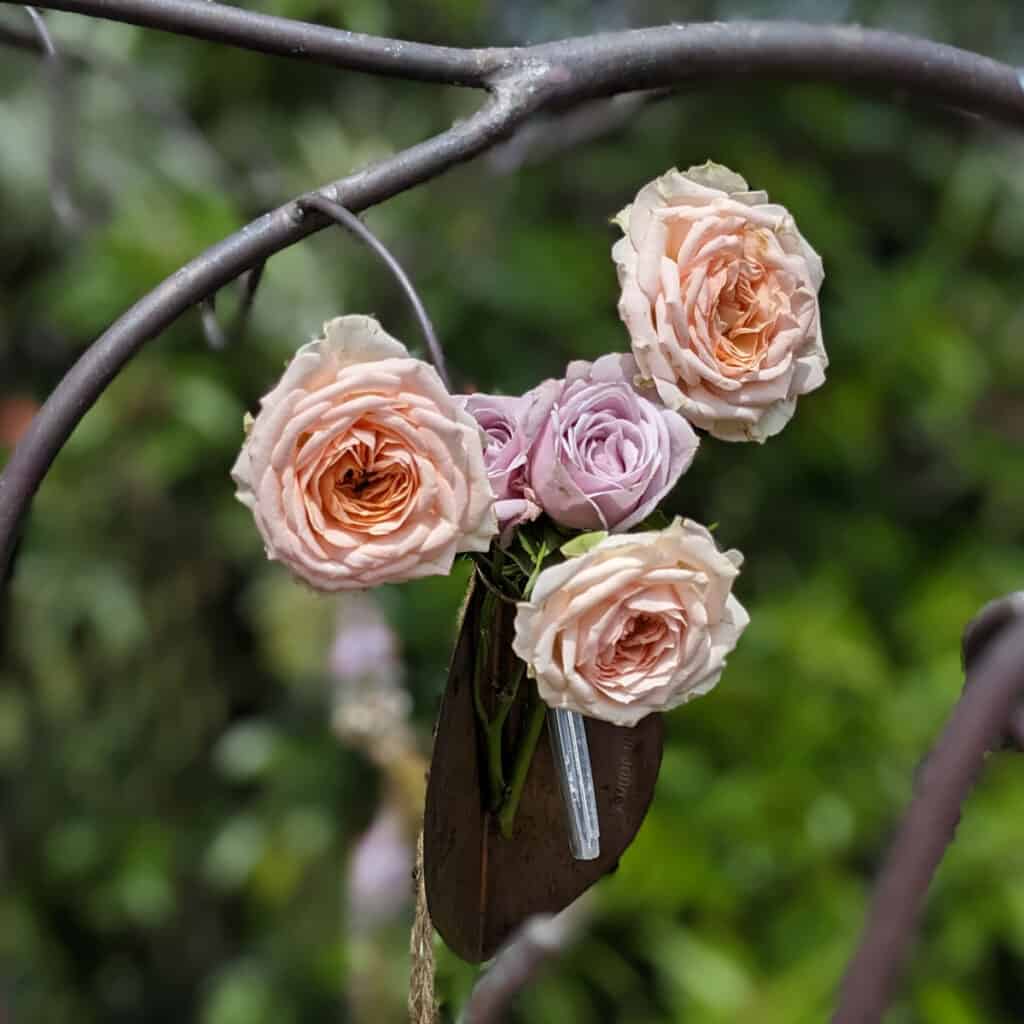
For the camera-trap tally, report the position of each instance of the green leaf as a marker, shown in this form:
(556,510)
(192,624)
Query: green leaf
(524,539)
(583,543)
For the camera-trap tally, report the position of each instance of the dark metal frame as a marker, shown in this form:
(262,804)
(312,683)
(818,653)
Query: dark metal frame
(521,82)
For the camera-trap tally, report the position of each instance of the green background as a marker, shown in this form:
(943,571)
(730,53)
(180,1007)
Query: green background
(176,812)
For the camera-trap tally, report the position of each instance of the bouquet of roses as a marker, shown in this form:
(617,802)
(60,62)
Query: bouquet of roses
(589,608)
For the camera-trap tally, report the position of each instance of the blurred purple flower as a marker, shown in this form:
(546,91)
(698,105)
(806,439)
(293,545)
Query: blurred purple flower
(379,883)
(365,645)
(369,705)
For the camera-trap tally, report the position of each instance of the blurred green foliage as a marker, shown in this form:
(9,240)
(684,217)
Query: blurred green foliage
(175,811)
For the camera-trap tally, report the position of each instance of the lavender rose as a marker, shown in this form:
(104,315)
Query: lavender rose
(604,455)
(506,420)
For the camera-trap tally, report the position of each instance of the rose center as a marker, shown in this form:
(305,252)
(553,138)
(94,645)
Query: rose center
(744,316)
(641,642)
(499,434)
(367,483)
(605,439)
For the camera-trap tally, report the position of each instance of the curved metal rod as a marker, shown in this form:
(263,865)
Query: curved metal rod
(216,337)
(45,39)
(153,101)
(348,220)
(100,363)
(994,686)
(62,122)
(22,39)
(522,82)
(212,330)
(612,62)
(539,941)
(286,37)
(980,632)
(672,55)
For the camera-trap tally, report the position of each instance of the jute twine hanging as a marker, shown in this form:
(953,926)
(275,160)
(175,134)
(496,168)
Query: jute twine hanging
(422,1004)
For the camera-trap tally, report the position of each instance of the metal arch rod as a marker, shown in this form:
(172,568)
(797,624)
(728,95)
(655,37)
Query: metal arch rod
(609,63)
(287,37)
(345,218)
(995,684)
(83,384)
(522,81)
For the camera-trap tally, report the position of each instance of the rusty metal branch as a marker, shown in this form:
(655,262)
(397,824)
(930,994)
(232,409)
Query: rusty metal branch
(286,37)
(535,946)
(348,220)
(63,120)
(203,276)
(557,76)
(522,82)
(994,644)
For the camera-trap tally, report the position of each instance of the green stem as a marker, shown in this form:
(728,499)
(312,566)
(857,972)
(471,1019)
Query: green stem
(486,672)
(498,566)
(531,582)
(482,657)
(481,670)
(524,758)
(495,765)
(495,734)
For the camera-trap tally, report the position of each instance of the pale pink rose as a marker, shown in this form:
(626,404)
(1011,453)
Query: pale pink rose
(720,297)
(360,467)
(642,622)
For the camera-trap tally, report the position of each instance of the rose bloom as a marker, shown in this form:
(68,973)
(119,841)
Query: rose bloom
(720,297)
(642,622)
(360,467)
(503,418)
(605,455)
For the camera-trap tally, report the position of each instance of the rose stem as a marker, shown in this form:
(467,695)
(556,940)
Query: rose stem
(495,771)
(481,659)
(528,589)
(524,758)
(495,733)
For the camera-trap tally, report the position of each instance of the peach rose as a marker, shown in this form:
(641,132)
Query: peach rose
(720,297)
(642,622)
(360,467)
